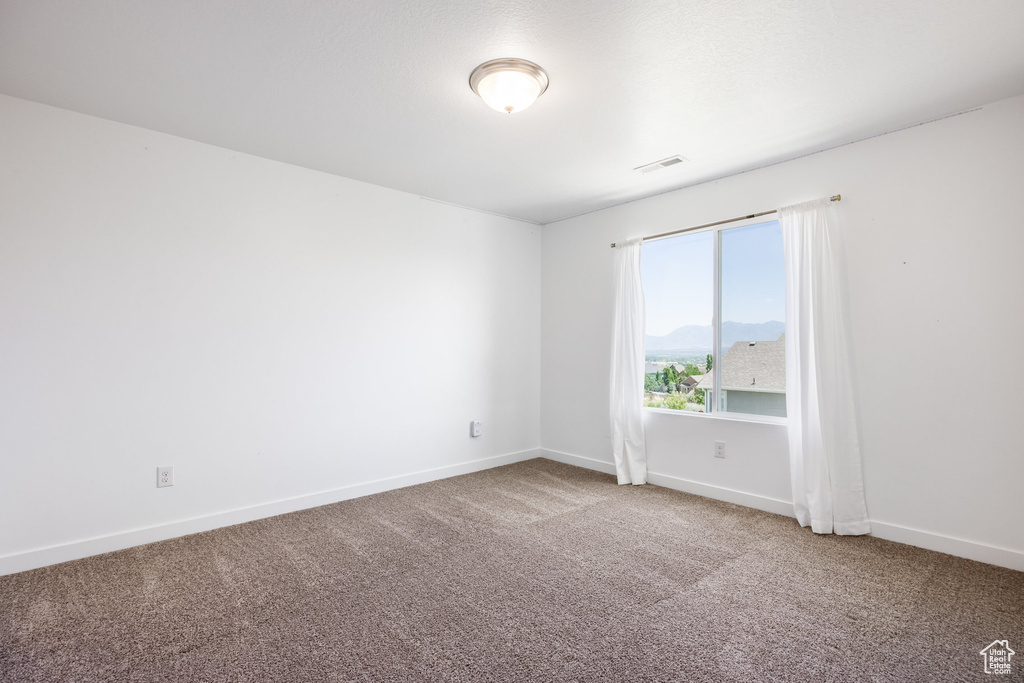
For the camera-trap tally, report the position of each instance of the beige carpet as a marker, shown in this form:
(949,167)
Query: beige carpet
(533,572)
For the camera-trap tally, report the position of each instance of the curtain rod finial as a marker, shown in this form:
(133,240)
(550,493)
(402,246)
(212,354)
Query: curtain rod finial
(836,197)
(613,245)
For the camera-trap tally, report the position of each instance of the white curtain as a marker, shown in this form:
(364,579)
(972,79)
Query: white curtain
(824,448)
(627,375)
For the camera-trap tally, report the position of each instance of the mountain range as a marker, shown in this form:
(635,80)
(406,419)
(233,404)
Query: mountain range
(698,338)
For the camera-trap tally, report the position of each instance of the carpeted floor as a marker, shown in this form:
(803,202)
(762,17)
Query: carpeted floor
(533,572)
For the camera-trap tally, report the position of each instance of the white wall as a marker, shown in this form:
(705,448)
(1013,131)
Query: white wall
(936,240)
(271,332)
(275,333)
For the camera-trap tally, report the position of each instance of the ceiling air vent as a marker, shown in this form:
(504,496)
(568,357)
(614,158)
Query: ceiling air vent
(658,165)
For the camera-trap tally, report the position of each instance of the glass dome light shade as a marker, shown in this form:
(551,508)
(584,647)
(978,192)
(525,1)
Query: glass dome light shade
(508,85)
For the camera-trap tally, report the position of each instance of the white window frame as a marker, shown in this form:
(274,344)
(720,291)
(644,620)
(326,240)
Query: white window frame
(716,312)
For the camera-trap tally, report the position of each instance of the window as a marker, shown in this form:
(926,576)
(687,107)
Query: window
(730,362)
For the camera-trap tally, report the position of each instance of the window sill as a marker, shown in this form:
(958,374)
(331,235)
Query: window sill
(733,417)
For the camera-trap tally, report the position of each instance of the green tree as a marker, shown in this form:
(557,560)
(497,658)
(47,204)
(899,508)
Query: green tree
(671,377)
(708,366)
(690,370)
(651,382)
(698,396)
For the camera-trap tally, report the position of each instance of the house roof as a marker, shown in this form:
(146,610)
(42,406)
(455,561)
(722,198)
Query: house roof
(752,366)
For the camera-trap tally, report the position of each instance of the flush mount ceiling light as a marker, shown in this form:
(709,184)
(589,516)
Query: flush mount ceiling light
(508,85)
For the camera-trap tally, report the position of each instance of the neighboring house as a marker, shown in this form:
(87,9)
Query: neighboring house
(651,368)
(688,384)
(753,378)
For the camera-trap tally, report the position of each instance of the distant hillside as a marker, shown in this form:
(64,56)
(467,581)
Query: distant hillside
(697,338)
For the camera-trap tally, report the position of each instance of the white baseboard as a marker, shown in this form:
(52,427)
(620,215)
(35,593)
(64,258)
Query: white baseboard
(578,461)
(750,500)
(42,557)
(971,550)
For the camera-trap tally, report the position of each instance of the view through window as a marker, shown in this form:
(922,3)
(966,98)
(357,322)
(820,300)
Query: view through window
(687,356)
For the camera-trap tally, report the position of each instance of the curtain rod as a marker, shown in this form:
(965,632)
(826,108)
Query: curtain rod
(834,198)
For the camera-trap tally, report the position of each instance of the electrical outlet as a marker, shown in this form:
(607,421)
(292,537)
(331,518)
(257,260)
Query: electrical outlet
(719,449)
(476,428)
(164,477)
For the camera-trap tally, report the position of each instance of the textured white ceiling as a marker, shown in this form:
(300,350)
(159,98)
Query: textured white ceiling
(378,90)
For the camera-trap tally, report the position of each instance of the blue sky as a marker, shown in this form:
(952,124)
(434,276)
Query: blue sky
(678,271)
